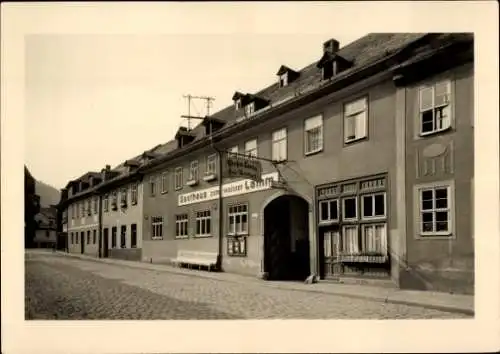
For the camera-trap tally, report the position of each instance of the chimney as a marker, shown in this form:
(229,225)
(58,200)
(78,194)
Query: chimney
(331,46)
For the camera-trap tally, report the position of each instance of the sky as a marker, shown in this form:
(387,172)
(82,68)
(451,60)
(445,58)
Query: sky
(97,99)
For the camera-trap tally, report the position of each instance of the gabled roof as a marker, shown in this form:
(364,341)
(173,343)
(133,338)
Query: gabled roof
(283,69)
(360,53)
(329,57)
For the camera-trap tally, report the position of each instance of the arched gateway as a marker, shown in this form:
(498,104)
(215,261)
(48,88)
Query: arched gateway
(286,238)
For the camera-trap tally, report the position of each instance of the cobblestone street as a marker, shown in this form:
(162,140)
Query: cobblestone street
(65,288)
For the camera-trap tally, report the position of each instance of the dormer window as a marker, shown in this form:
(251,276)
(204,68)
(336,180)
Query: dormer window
(249,109)
(286,75)
(237,104)
(283,80)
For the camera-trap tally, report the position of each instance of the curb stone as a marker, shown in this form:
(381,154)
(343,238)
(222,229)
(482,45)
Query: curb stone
(169,269)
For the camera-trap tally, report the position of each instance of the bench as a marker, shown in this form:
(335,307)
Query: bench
(185,257)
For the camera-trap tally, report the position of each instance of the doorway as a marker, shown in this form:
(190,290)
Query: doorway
(286,238)
(82,242)
(105,243)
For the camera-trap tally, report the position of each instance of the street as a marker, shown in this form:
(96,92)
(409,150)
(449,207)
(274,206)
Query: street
(65,288)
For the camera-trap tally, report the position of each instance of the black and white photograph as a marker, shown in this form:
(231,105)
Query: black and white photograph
(254,162)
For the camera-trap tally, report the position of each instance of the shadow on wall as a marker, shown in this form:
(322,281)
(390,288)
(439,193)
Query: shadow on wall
(456,282)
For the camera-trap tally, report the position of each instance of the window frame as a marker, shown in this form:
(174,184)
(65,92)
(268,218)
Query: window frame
(307,131)
(203,220)
(362,205)
(94,236)
(250,109)
(450,103)
(194,171)
(417,206)
(105,203)
(278,141)
(123,236)
(156,224)
(152,186)
(237,232)
(352,115)
(249,152)
(356,218)
(114,233)
(134,188)
(208,171)
(178,177)
(164,182)
(329,220)
(133,235)
(181,219)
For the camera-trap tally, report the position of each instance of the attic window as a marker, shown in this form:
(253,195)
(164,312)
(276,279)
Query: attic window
(329,70)
(283,79)
(250,109)
(237,103)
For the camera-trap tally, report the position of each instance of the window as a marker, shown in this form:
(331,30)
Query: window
(113,237)
(133,193)
(88,205)
(313,134)
(106,203)
(374,239)
(157,227)
(238,219)
(350,241)
(435,211)
(88,237)
(249,109)
(211,164)
(236,246)
(355,120)
(178,178)
(373,206)
(133,236)
(193,171)
(435,108)
(251,148)
(94,238)
(238,103)
(327,70)
(203,223)
(350,209)
(279,152)
(124,196)
(123,236)
(164,182)
(328,210)
(82,236)
(95,206)
(152,185)
(114,200)
(181,225)
(233,150)
(283,80)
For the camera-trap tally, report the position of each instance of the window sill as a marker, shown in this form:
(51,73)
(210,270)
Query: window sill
(164,192)
(192,183)
(355,140)
(210,177)
(237,255)
(352,220)
(181,237)
(178,188)
(157,238)
(374,218)
(328,222)
(435,235)
(434,132)
(202,236)
(310,153)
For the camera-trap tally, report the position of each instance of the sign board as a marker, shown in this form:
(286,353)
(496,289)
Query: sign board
(239,166)
(229,189)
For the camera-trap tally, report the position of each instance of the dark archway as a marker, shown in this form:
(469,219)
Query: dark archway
(286,238)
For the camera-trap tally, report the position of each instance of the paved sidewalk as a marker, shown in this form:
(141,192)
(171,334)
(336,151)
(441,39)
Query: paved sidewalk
(433,300)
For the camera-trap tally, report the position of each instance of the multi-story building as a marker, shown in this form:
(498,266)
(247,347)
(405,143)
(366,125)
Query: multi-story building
(366,160)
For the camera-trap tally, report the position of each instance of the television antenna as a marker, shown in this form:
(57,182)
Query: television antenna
(208,102)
